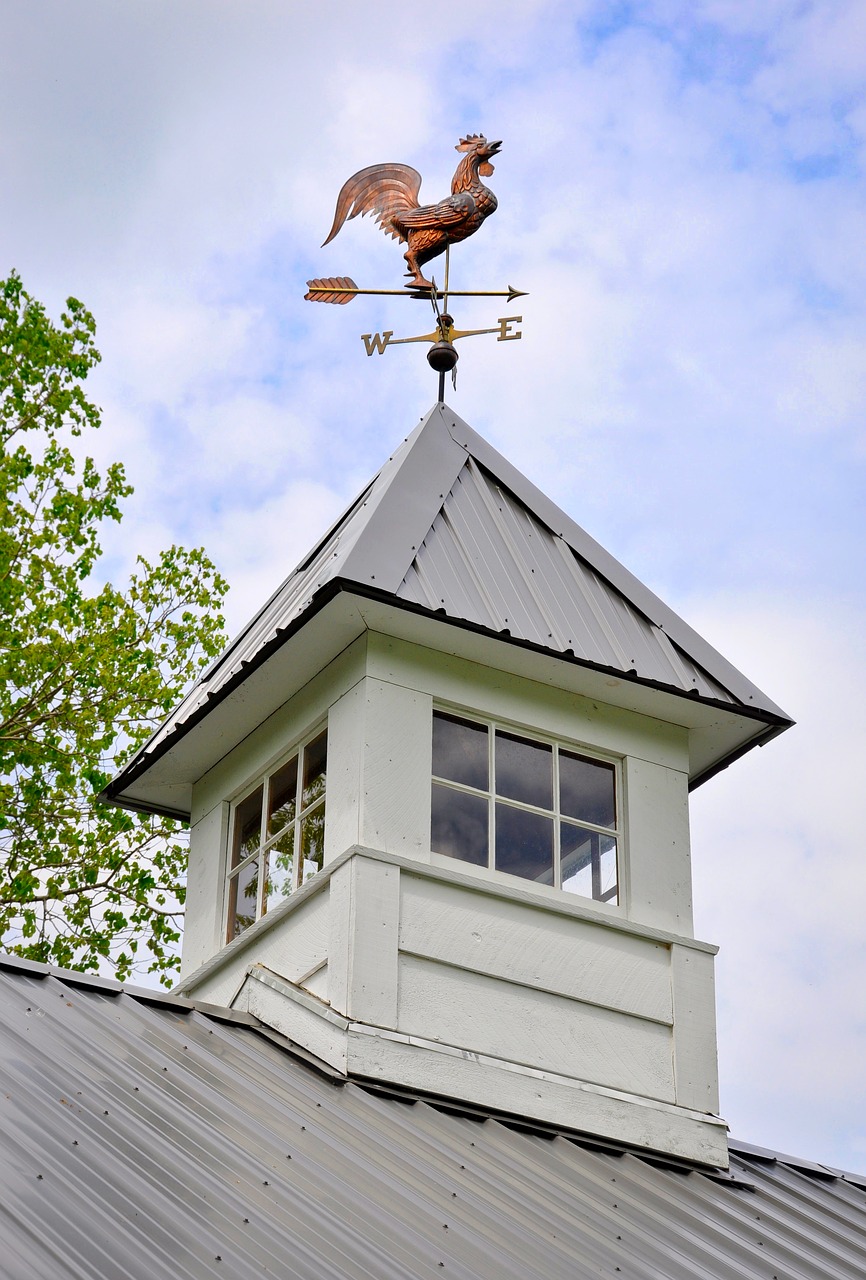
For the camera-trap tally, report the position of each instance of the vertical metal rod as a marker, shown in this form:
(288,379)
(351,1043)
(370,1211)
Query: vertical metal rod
(442,387)
(447,274)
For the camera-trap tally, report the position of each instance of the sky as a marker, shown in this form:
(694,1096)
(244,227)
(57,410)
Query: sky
(681,194)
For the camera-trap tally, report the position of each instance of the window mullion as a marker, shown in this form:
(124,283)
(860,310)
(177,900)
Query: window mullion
(261,896)
(581,783)
(296,826)
(491,802)
(557,870)
(595,854)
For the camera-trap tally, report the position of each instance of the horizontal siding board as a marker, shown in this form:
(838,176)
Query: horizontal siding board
(564,956)
(548,1032)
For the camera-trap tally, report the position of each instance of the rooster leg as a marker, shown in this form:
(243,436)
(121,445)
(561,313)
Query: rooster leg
(417,281)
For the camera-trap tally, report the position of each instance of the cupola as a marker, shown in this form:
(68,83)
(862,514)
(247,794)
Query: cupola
(438,795)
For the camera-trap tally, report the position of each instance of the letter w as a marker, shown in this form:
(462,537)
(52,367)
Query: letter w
(377,341)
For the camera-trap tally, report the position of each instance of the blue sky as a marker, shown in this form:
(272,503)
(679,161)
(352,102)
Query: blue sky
(681,192)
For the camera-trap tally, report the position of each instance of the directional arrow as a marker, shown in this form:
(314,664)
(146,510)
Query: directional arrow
(342,289)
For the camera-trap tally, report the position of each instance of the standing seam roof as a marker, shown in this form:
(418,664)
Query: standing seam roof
(489,561)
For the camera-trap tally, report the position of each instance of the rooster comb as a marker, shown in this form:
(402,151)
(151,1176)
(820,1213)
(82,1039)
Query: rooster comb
(467,143)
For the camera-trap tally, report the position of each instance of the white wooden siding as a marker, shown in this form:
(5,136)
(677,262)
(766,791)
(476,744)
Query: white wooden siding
(696,1057)
(365,904)
(535,948)
(658,873)
(534,1028)
(528,703)
(203,933)
(296,947)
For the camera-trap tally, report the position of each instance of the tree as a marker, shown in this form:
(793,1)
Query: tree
(86,670)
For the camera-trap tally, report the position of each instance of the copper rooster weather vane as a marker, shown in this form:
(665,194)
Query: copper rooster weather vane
(390,193)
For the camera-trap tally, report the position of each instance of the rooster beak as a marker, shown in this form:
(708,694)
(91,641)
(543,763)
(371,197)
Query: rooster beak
(493,148)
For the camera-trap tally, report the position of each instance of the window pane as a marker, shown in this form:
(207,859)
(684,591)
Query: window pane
(460,752)
(282,792)
(312,843)
(459,827)
(576,859)
(586,790)
(280,870)
(315,760)
(243,891)
(248,826)
(588,863)
(608,876)
(524,844)
(524,770)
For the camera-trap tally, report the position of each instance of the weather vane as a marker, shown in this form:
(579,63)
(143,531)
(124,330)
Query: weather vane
(390,193)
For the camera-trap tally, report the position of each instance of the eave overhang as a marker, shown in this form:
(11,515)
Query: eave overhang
(161,777)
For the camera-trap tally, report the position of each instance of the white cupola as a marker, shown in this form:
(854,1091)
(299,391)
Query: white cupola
(438,790)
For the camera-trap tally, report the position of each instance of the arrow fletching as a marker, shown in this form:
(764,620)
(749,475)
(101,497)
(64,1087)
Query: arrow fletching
(337,289)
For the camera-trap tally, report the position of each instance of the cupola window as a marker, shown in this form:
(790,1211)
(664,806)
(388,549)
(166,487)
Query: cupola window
(277,835)
(535,809)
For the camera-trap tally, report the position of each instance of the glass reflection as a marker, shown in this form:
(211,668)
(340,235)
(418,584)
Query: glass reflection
(280,873)
(587,790)
(588,863)
(315,759)
(312,843)
(524,844)
(282,792)
(460,751)
(459,826)
(524,770)
(248,826)
(243,891)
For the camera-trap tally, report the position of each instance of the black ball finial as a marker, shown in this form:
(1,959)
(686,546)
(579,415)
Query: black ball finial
(442,357)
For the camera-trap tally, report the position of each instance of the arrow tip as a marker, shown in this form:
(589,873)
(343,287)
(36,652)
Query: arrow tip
(515,293)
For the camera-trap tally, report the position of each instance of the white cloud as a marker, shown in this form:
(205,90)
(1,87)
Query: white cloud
(780,881)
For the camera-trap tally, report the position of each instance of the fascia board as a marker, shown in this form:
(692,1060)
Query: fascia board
(161,782)
(635,592)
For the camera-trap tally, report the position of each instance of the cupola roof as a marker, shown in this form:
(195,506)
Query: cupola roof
(449,537)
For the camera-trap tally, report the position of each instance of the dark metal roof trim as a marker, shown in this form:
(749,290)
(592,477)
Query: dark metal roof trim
(143,762)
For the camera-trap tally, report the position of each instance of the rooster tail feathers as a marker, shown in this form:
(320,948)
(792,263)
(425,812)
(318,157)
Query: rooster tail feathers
(381,189)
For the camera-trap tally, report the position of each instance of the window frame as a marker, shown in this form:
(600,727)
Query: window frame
(232,870)
(494,724)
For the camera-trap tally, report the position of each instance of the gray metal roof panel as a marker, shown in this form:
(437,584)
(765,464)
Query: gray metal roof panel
(606,565)
(488,560)
(144,1139)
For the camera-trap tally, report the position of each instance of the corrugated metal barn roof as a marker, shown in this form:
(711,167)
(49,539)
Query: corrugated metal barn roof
(144,1137)
(449,526)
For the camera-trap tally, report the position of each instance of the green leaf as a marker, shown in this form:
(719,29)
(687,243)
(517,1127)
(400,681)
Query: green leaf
(87,669)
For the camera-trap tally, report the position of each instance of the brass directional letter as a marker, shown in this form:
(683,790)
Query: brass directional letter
(377,341)
(505,334)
